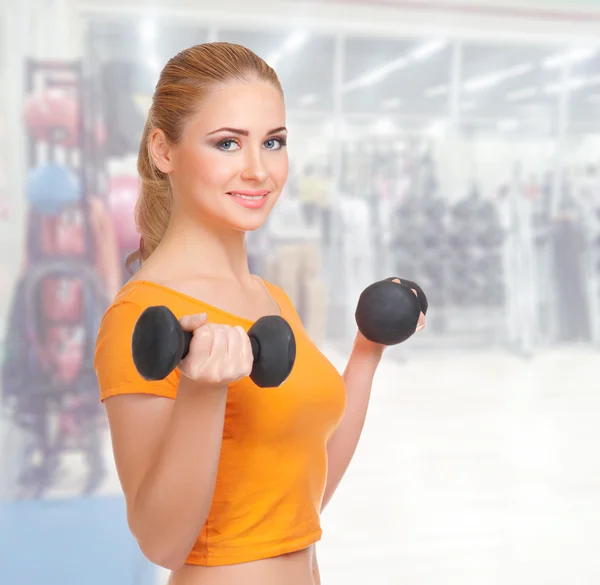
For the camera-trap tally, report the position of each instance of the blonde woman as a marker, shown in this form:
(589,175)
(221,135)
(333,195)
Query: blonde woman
(224,481)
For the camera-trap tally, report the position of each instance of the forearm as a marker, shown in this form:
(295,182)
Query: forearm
(358,377)
(174,497)
(316,575)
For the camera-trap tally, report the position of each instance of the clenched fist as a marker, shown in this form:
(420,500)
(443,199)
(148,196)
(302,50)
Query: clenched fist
(218,354)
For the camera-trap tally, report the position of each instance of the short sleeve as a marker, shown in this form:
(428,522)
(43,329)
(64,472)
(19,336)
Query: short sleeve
(113,360)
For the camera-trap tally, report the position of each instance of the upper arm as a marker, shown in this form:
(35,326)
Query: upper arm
(137,425)
(138,410)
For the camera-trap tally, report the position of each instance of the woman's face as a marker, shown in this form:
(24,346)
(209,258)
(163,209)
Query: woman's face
(232,162)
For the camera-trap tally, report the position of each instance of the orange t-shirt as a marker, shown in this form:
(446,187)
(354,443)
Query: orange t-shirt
(273,463)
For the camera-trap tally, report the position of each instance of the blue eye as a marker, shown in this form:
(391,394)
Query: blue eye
(223,144)
(275,141)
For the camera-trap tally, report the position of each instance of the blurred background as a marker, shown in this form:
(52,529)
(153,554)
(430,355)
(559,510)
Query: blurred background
(455,144)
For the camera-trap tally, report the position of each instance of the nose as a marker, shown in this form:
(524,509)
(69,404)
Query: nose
(254,167)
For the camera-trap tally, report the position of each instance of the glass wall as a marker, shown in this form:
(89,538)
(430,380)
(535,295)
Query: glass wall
(387,127)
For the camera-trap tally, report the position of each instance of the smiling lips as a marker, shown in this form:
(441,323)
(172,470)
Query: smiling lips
(249,199)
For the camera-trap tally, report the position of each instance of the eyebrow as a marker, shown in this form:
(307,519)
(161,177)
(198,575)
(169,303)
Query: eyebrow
(245,132)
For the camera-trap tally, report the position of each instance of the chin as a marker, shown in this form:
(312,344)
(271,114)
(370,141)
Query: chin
(248,226)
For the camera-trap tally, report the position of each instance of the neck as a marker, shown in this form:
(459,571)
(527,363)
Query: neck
(195,248)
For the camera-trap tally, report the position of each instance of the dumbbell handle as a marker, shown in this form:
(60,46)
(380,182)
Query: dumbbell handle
(187,339)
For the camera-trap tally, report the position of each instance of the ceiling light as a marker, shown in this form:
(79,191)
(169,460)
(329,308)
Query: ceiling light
(568,58)
(420,53)
(490,80)
(573,84)
(427,50)
(295,41)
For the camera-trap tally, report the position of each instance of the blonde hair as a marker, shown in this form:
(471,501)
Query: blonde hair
(185,79)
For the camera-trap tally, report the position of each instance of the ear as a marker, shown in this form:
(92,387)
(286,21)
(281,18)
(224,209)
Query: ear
(161,151)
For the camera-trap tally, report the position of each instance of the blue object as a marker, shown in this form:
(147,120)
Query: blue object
(84,541)
(52,187)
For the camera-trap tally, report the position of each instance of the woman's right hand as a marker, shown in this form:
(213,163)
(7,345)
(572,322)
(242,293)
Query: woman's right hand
(218,354)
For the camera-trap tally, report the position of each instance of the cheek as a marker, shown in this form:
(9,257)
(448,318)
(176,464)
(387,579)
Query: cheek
(278,169)
(210,168)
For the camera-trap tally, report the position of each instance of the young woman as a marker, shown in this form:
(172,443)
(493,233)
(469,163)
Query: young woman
(224,481)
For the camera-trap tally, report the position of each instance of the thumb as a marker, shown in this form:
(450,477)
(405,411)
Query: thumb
(191,322)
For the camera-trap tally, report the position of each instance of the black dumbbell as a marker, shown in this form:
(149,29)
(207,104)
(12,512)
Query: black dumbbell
(388,312)
(159,343)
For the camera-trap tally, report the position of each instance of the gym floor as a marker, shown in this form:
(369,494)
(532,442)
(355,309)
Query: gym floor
(473,468)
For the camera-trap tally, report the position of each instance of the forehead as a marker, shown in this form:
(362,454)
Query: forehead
(255,106)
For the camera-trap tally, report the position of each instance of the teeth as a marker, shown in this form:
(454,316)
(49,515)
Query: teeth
(250,197)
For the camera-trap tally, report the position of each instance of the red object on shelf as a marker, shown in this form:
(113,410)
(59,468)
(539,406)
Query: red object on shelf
(52,116)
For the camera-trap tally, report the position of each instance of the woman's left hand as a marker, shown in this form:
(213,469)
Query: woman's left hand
(364,342)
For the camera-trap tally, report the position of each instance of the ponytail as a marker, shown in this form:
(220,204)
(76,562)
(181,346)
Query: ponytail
(153,207)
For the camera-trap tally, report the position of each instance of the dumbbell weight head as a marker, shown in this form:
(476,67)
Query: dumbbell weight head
(274,350)
(387,312)
(159,344)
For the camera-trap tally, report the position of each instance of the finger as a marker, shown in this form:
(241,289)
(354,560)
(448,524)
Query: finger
(219,345)
(238,364)
(191,322)
(234,344)
(200,348)
(247,355)
(203,338)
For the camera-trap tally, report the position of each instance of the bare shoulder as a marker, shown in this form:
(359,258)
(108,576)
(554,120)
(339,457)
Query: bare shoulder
(248,300)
